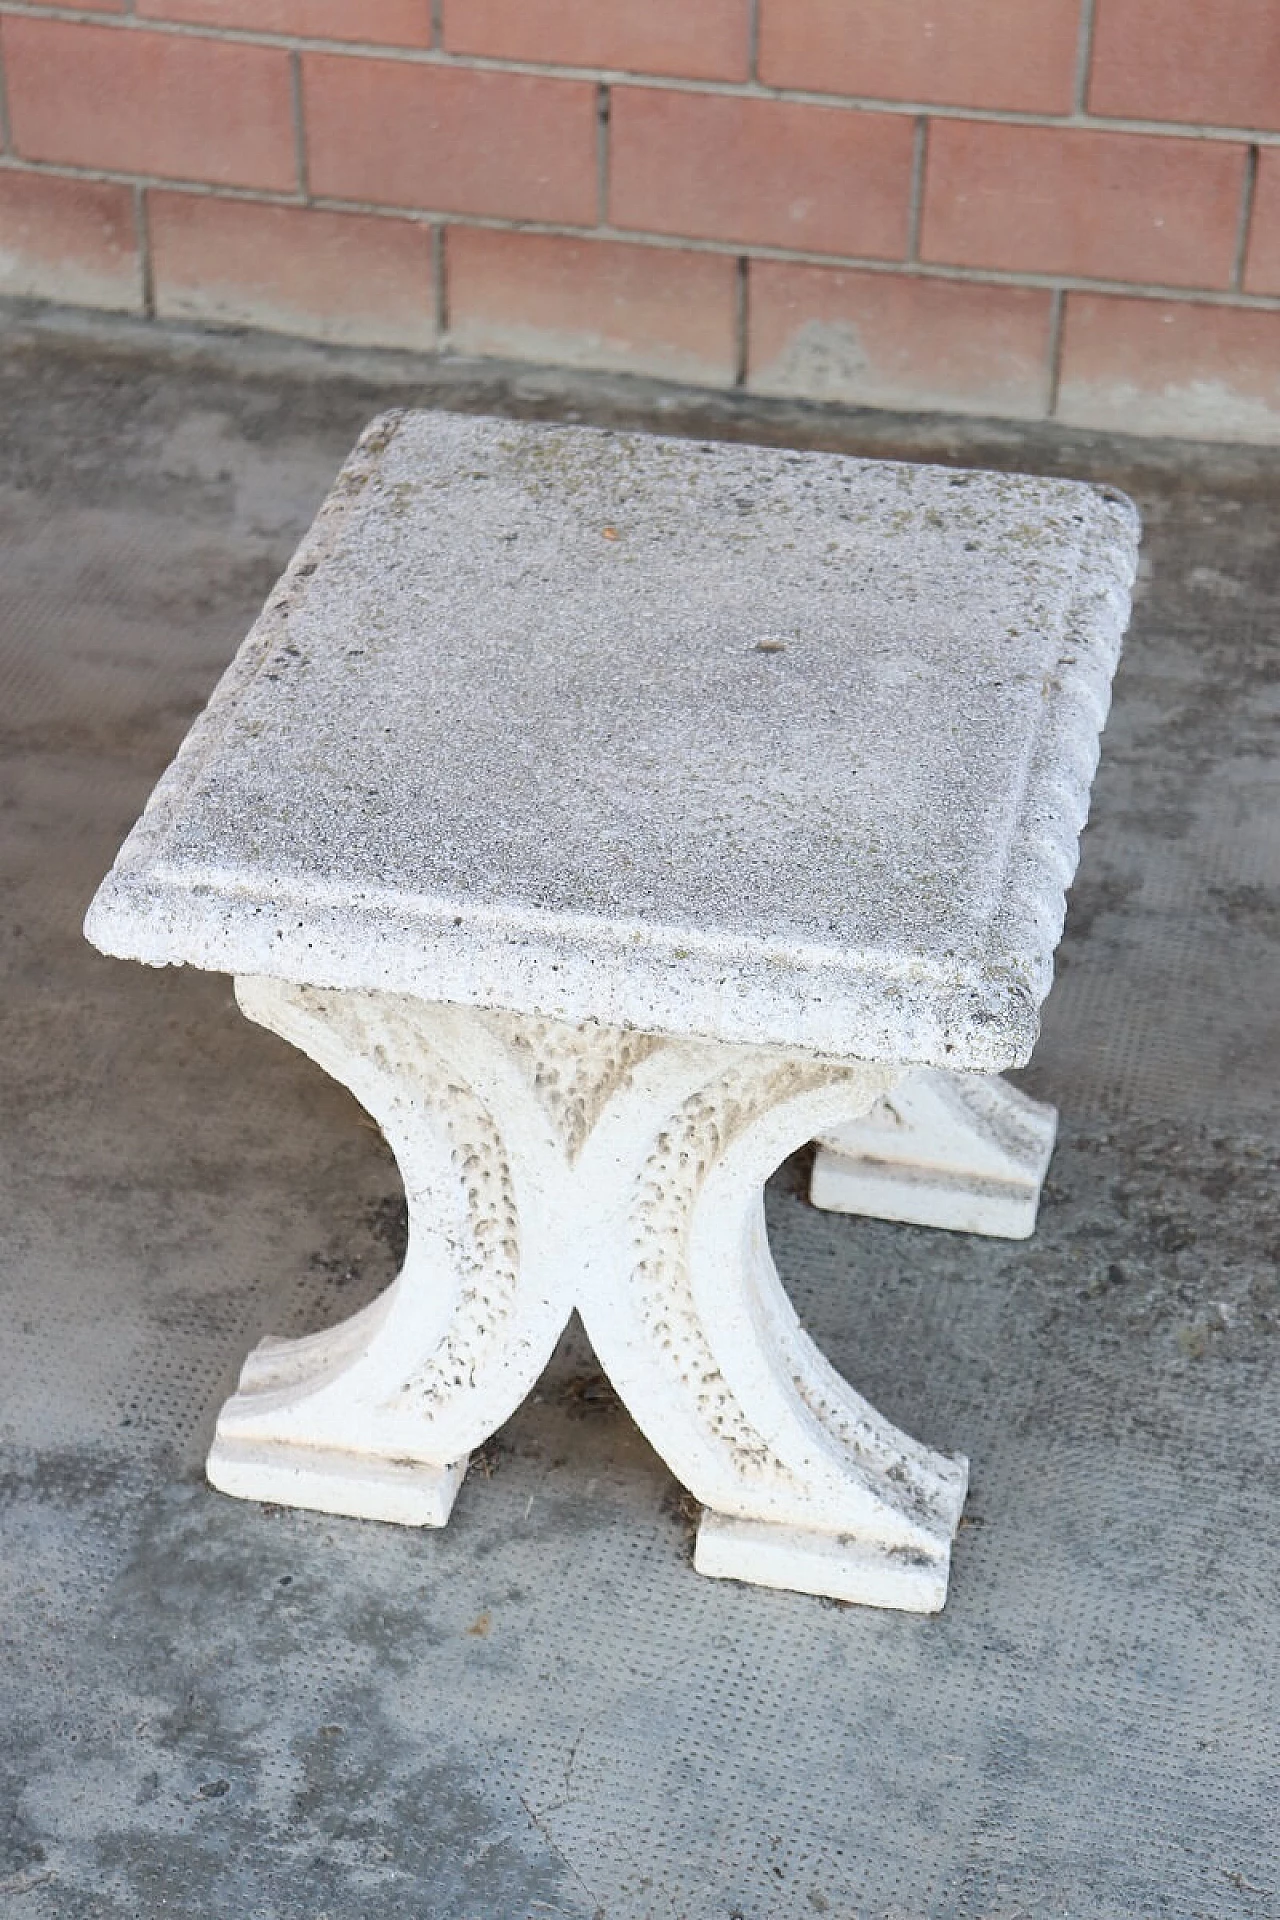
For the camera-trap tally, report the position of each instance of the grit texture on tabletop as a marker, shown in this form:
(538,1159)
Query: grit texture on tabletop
(777,748)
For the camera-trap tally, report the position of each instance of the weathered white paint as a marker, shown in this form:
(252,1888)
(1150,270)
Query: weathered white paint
(549,1167)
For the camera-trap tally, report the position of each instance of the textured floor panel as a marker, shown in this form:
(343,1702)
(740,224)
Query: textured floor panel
(234,1712)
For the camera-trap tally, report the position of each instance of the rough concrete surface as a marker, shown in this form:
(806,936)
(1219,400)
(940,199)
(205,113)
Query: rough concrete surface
(775,747)
(219,1710)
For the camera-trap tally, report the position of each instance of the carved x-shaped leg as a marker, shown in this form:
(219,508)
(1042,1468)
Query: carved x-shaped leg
(549,1167)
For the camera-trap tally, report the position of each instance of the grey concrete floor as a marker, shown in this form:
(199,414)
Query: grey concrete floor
(234,1712)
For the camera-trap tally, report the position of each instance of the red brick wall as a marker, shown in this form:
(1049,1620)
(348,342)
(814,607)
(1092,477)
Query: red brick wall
(1016,207)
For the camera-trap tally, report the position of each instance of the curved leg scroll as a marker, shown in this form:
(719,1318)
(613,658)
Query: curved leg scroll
(377,1416)
(805,1485)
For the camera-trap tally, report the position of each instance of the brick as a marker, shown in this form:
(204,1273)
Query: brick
(357,278)
(763,172)
(85,6)
(1213,65)
(152,103)
(1262,266)
(505,144)
(891,340)
(397,23)
(705,41)
(68,240)
(1110,206)
(593,303)
(1017,54)
(1175,367)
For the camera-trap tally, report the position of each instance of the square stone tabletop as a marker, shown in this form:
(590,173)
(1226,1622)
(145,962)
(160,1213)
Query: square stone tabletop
(767,746)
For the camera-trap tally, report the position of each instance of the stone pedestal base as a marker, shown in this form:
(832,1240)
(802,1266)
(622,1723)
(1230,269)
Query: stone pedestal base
(958,1150)
(411,1493)
(805,1561)
(551,1167)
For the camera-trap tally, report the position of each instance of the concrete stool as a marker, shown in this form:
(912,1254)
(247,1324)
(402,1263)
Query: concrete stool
(613,815)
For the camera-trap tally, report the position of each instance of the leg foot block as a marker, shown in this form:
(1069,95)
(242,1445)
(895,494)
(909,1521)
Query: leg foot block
(1000,1210)
(963,1151)
(411,1493)
(833,1564)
